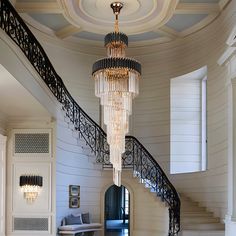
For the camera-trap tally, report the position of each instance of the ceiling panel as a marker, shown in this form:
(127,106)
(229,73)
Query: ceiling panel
(144,36)
(181,22)
(53,21)
(89,36)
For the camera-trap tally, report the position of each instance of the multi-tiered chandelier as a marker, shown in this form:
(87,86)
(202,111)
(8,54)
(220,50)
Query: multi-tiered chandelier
(116,84)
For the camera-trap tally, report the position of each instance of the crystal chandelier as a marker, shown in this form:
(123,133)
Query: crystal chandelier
(116,84)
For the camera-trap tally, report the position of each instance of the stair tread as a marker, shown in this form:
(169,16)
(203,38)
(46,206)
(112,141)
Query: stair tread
(198,218)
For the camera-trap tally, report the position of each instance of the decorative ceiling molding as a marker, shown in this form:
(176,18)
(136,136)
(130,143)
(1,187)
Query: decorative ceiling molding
(90,15)
(66,12)
(67,31)
(139,18)
(197,8)
(38,7)
(169,32)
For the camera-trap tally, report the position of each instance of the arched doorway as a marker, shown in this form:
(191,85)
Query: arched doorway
(117,211)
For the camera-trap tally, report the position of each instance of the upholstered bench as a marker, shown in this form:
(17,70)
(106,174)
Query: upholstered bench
(78,225)
(76,229)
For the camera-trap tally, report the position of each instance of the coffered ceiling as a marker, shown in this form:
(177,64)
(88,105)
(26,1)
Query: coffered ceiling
(144,21)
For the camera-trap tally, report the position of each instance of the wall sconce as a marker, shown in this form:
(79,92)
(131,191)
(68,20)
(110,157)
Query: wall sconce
(31,185)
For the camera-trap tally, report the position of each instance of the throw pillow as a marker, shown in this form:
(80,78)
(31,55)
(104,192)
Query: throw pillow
(86,218)
(63,222)
(74,220)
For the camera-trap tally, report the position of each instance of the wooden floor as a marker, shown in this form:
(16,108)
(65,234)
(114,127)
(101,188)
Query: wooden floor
(117,228)
(121,232)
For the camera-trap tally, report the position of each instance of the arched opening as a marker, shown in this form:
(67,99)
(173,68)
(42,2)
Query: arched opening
(117,211)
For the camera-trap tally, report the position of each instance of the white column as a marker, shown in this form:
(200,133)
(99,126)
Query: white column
(2,183)
(230,219)
(228,59)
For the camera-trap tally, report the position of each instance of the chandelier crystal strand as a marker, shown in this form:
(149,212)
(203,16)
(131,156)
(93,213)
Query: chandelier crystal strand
(116,84)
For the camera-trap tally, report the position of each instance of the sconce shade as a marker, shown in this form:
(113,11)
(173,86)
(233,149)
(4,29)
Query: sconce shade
(31,180)
(31,185)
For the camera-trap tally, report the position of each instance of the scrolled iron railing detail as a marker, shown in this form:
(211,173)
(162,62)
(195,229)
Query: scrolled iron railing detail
(136,156)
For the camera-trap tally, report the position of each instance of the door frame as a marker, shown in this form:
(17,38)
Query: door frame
(131,207)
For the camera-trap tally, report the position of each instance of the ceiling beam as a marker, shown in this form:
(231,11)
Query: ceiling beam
(197,8)
(38,7)
(67,31)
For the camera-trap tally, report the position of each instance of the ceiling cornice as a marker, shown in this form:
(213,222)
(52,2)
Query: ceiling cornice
(197,8)
(38,7)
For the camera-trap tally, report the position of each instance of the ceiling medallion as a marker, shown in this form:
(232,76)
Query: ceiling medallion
(116,84)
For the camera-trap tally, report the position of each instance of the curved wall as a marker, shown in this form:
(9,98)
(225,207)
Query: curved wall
(151,116)
(75,69)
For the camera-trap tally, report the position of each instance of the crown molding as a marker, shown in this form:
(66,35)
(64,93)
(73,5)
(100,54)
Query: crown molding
(67,31)
(38,7)
(197,8)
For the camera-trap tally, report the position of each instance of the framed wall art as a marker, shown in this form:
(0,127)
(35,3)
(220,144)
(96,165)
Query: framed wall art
(74,190)
(74,202)
(74,196)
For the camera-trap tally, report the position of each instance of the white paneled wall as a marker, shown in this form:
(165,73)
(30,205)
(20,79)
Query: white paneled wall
(75,69)
(151,119)
(74,166)
(22,216)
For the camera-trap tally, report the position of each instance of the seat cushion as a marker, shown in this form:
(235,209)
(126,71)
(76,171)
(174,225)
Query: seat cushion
(80,227)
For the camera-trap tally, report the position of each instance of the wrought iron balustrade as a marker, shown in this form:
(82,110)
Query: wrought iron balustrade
(136,156)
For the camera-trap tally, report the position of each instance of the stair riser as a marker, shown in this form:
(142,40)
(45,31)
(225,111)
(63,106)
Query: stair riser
(195,219)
